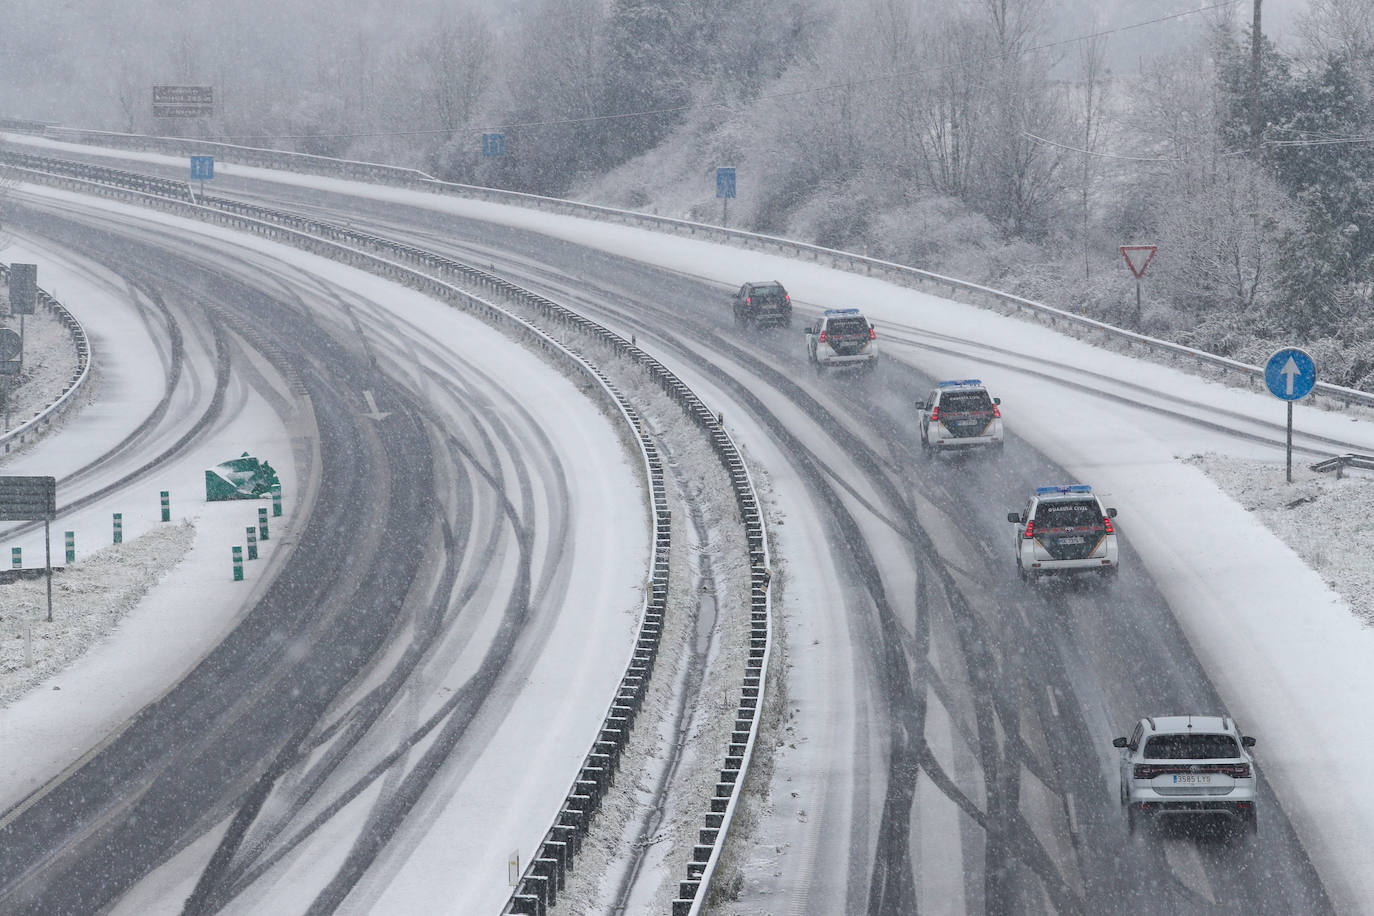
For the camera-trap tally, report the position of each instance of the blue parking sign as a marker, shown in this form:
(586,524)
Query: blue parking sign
(202,168)
(493,144)
(725,181)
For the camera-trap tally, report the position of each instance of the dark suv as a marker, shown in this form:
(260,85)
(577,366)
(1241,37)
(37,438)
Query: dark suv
(763,304)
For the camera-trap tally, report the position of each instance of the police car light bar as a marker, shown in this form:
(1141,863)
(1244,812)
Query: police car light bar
(841,311)
(966,381)
(1070,488)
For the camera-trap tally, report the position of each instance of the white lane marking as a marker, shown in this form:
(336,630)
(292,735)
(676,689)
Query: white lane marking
(1183,858)
(1073,812)
(1054,704)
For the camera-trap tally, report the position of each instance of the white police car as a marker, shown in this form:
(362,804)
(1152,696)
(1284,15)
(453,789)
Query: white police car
(1064,529)
(1188,767)
(960,414)
(843,337)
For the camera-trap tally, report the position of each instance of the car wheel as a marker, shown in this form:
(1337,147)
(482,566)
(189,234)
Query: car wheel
(1020,570)
(1109,573)
(1251,821)
(1132,820)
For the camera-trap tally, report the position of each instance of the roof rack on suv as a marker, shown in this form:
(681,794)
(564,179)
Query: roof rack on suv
(1151,720)
(1066,488)
(952,382)
(841,311)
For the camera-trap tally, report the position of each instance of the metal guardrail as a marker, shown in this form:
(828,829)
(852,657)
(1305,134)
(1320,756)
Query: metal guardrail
(888,270)
(21,433)
(1341,462)
(539,885)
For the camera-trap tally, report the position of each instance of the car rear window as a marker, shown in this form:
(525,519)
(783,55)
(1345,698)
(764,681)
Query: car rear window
(1191,747)
(966,401)
(777,291)
(844,326)
(1066,514)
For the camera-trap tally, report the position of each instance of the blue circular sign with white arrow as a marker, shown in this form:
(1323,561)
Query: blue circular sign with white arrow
(1290,374)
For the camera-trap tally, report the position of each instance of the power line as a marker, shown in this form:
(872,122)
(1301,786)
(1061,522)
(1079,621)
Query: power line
(728,106)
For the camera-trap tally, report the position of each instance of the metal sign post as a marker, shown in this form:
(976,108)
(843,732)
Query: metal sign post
(1138,257)
(1290,374)
(27,499)
(725,189)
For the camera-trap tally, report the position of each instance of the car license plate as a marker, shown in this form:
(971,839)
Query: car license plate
(1192,779)
(1076,540)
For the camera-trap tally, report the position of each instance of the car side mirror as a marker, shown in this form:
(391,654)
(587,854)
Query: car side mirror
(809,331)
(1118,742)
(923,405)
(1111,513)
(997,400)
(1014,517)
(1247,741)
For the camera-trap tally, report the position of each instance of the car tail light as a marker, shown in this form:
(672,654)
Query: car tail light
(872,333)
(995,411)
(935,413)
(787,298)
(1237,770)
(1107,523)
(748,299)
(1030,529)
(822,337)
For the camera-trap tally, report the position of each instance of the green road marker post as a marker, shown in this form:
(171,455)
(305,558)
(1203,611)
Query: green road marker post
(238,563)
(276,501)
(71,546)
(16,558)
(262,523)
(252,543)
(119,527)
(166,506)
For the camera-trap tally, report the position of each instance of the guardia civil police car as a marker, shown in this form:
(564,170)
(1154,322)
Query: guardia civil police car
(1193,767)
(1064,529)
(842,337)
(960,414)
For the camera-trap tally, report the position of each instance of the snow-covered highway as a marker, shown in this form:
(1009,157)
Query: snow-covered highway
(946,742)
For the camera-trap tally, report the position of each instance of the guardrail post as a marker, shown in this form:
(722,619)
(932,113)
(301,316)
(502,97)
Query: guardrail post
(71,546)
(238,563)
(262,523)
(166,506)
(252,542)
(119,527)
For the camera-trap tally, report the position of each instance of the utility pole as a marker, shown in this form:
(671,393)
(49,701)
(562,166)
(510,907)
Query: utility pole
(1256,117)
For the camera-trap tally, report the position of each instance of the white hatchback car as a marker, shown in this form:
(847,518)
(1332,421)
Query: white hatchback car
(1064,529)
(960,414)
(1188,766)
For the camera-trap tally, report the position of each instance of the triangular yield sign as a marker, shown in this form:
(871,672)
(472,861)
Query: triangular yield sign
(1138,257)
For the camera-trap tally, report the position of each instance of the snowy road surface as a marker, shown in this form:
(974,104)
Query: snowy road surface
(463,539)
(1017,693)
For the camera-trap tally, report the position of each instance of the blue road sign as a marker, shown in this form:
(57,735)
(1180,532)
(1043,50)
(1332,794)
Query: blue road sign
(1290,374)
(202,168)
(493,144)
(725,181)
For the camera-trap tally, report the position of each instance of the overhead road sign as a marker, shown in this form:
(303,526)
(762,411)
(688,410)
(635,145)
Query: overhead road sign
(183,101)
(1290,374)
(23,288)
(1138,257)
